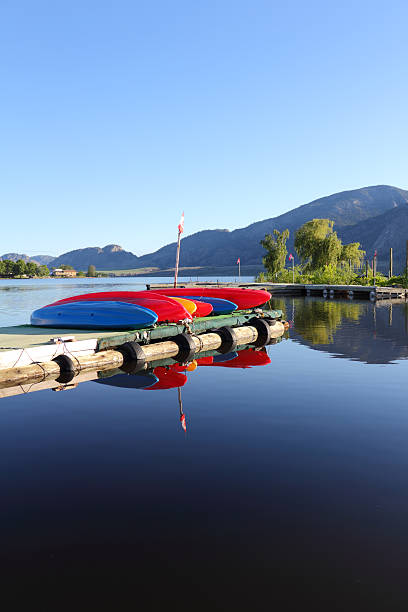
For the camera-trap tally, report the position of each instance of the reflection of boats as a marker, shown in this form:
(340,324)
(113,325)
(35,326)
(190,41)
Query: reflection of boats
(174,375)
(167,378)
(247,358)
(141,380)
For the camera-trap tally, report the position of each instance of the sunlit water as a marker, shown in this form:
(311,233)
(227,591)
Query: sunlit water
(287,491)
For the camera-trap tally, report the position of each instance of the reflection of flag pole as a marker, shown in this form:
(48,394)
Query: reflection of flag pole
(374,266)
(239,268)
(293,267)
(180,231)
(182,415)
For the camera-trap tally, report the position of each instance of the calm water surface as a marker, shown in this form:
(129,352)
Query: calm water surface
(287,491)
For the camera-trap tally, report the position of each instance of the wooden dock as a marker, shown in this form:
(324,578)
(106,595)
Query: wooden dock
(361,292)
(56,358)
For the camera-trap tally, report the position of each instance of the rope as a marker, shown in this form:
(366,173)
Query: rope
(200,341)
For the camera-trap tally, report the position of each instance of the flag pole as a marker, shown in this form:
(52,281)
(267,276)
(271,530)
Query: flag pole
(239,270)
(180,231)
(177,260)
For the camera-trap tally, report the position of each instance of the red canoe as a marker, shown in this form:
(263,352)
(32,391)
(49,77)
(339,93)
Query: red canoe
(243,298)
(176,313)
(203,308)
(166,308)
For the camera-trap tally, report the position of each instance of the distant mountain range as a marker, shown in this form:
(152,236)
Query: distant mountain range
(110,257)
(377,217)
(38,259)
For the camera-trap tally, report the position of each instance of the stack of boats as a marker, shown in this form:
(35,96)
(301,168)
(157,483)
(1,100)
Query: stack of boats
(142,309)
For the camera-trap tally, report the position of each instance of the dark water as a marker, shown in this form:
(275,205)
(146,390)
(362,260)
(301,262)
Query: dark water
(288,490)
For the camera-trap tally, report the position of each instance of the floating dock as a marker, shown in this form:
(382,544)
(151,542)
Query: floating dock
(59,358)
(362,292)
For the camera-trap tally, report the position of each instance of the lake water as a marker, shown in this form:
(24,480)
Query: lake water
(287,491)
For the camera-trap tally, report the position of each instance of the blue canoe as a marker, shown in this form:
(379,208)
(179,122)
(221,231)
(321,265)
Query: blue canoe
(94,315)
(219,306)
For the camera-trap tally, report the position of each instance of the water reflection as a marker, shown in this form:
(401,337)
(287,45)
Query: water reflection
(174,375)
(286,481)
(361,331)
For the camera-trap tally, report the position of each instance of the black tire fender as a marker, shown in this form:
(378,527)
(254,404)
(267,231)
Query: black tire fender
(264,331)
(67,368)
(187,347)
(228,339)
(134,358)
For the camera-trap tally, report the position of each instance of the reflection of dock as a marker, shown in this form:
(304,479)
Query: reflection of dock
(36,355)
(362,292)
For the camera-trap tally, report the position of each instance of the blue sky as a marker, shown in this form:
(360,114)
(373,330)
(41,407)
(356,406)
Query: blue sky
(116,116)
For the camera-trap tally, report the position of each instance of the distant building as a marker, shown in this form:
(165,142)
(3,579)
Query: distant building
(63,273)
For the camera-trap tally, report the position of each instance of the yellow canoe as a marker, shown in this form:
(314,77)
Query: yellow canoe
(188,304)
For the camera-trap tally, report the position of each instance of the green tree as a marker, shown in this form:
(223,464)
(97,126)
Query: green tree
(352,252)
(31,268)
(43,271)
(317,244)
(91,270)
(2,268)
(275,246)
(66,267)
(19,267)
(8,267)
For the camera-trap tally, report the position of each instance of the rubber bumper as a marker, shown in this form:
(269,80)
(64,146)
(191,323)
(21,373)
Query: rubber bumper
(67,368)
(187,347)
(134,358)
(263,329)
(228,339)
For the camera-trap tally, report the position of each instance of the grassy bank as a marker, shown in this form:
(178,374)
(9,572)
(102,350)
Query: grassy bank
(333,275)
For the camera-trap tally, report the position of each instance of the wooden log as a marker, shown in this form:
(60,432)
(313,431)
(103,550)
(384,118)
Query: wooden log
(112,358)
(10,377)
(50,370)
(98,361)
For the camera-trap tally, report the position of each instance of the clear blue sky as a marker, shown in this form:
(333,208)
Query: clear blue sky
(118,115)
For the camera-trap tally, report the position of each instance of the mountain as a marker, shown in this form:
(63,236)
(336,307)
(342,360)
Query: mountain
(38,259)
(379,234)
(222,248)
(15,257)
(110,257)
(43,259)
(377,217)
